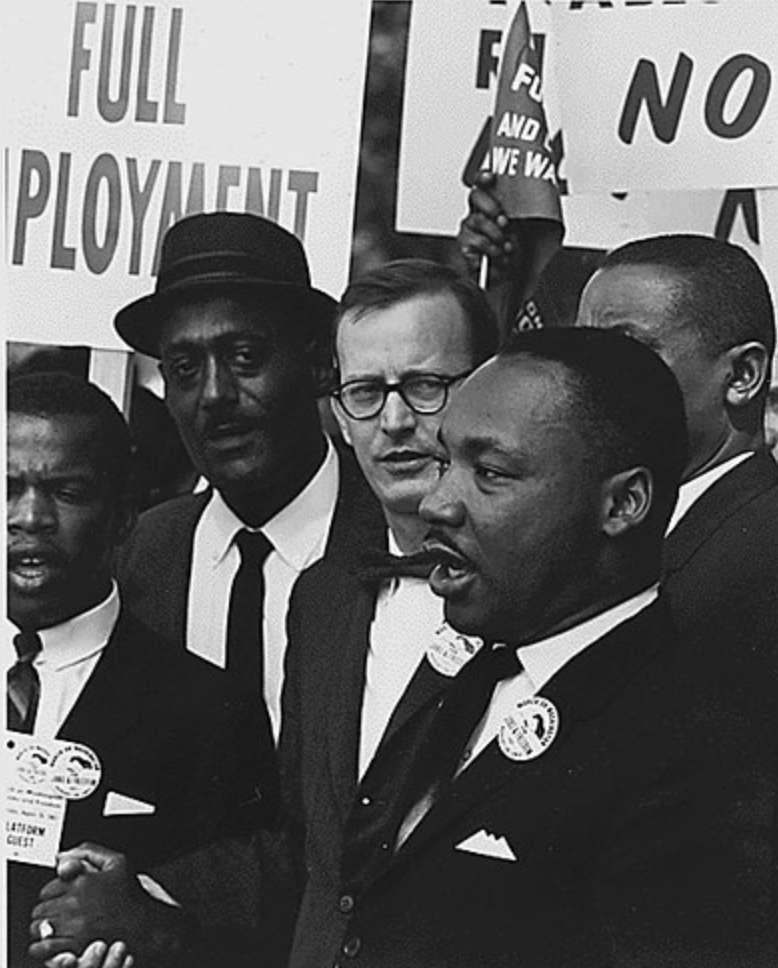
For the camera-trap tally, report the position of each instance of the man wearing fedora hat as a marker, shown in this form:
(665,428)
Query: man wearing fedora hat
(242,337)
(243,343)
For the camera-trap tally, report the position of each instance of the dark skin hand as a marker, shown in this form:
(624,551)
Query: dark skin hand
(484,231)
(487,231)
(96,895)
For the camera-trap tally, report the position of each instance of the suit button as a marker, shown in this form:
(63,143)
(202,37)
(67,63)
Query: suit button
(346,904)
(366,801)
(351,947)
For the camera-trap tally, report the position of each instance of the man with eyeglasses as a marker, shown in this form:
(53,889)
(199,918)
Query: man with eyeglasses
(367,642)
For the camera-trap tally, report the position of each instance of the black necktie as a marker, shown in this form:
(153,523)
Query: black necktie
(245,663)
(23,686)
(460,711)
(376,566)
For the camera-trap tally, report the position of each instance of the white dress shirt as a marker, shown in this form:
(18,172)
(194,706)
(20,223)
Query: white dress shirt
(693,490)
(69,655)
(406,616)
(541,660)
(544,659)
(298,534)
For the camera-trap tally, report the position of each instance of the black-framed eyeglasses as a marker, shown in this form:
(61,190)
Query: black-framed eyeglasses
(424,393)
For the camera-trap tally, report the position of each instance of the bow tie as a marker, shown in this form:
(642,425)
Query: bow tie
(376,566)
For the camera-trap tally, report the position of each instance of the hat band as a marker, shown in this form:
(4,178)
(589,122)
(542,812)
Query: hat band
(230,266)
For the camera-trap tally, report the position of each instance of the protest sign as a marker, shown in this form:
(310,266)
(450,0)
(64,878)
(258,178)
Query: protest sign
(519,153)
(657,96)
(520,156)
(451,76)
(122,118)
(452,68)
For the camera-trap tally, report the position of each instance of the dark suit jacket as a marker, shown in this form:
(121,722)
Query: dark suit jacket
(329,636)
(167,734)
(154,568)
(236,891)
(721,580)
(641,836)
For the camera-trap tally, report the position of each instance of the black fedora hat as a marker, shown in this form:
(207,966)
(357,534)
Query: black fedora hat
(223,250)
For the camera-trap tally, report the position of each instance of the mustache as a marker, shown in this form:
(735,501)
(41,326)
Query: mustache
(215,424)
(441,549)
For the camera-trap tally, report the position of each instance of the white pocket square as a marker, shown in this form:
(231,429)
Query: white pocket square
(118,803)
(487,845)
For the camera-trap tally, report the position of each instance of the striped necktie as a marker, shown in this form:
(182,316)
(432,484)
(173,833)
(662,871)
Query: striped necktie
(23,685)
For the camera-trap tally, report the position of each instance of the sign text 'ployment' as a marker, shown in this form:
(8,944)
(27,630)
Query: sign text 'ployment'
(95,204)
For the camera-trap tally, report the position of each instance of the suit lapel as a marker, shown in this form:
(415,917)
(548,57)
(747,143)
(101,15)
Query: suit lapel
(579,691)
(358,523)
(344,724)
(426,684)
(723,499)
(181,565)
(159,599)
(124,669)
(350,634)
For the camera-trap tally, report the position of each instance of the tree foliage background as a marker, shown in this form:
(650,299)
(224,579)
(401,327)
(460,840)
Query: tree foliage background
(375,239)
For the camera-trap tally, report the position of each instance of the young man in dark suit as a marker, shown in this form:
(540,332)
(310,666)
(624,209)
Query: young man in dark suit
(366,649)
(585,794)
(705,307)
(179,761)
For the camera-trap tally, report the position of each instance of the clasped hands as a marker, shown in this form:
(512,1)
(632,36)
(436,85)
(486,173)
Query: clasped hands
(100,914)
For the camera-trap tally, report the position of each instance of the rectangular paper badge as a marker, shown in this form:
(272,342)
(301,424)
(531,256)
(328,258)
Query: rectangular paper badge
(33,826)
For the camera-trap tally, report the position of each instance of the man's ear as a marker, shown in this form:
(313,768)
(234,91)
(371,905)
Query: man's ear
(626,500)
(343,422)
(321,365)
(749,366)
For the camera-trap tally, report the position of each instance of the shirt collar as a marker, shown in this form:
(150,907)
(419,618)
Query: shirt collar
(544,659)
(391,543)
(78,638)
(693,490)
(295,532)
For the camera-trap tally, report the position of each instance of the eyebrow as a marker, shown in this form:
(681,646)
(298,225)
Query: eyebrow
(475,446)
(405,375)
(55,477)
(185,343)
(478,445)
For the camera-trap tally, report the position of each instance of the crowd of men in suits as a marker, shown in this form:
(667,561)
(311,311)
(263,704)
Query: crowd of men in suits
(489,679)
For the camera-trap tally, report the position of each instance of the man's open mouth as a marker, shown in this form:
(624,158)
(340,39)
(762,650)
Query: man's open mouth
(29,570)
(452,571)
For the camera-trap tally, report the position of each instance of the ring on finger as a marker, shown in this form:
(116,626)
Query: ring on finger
(46,930)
